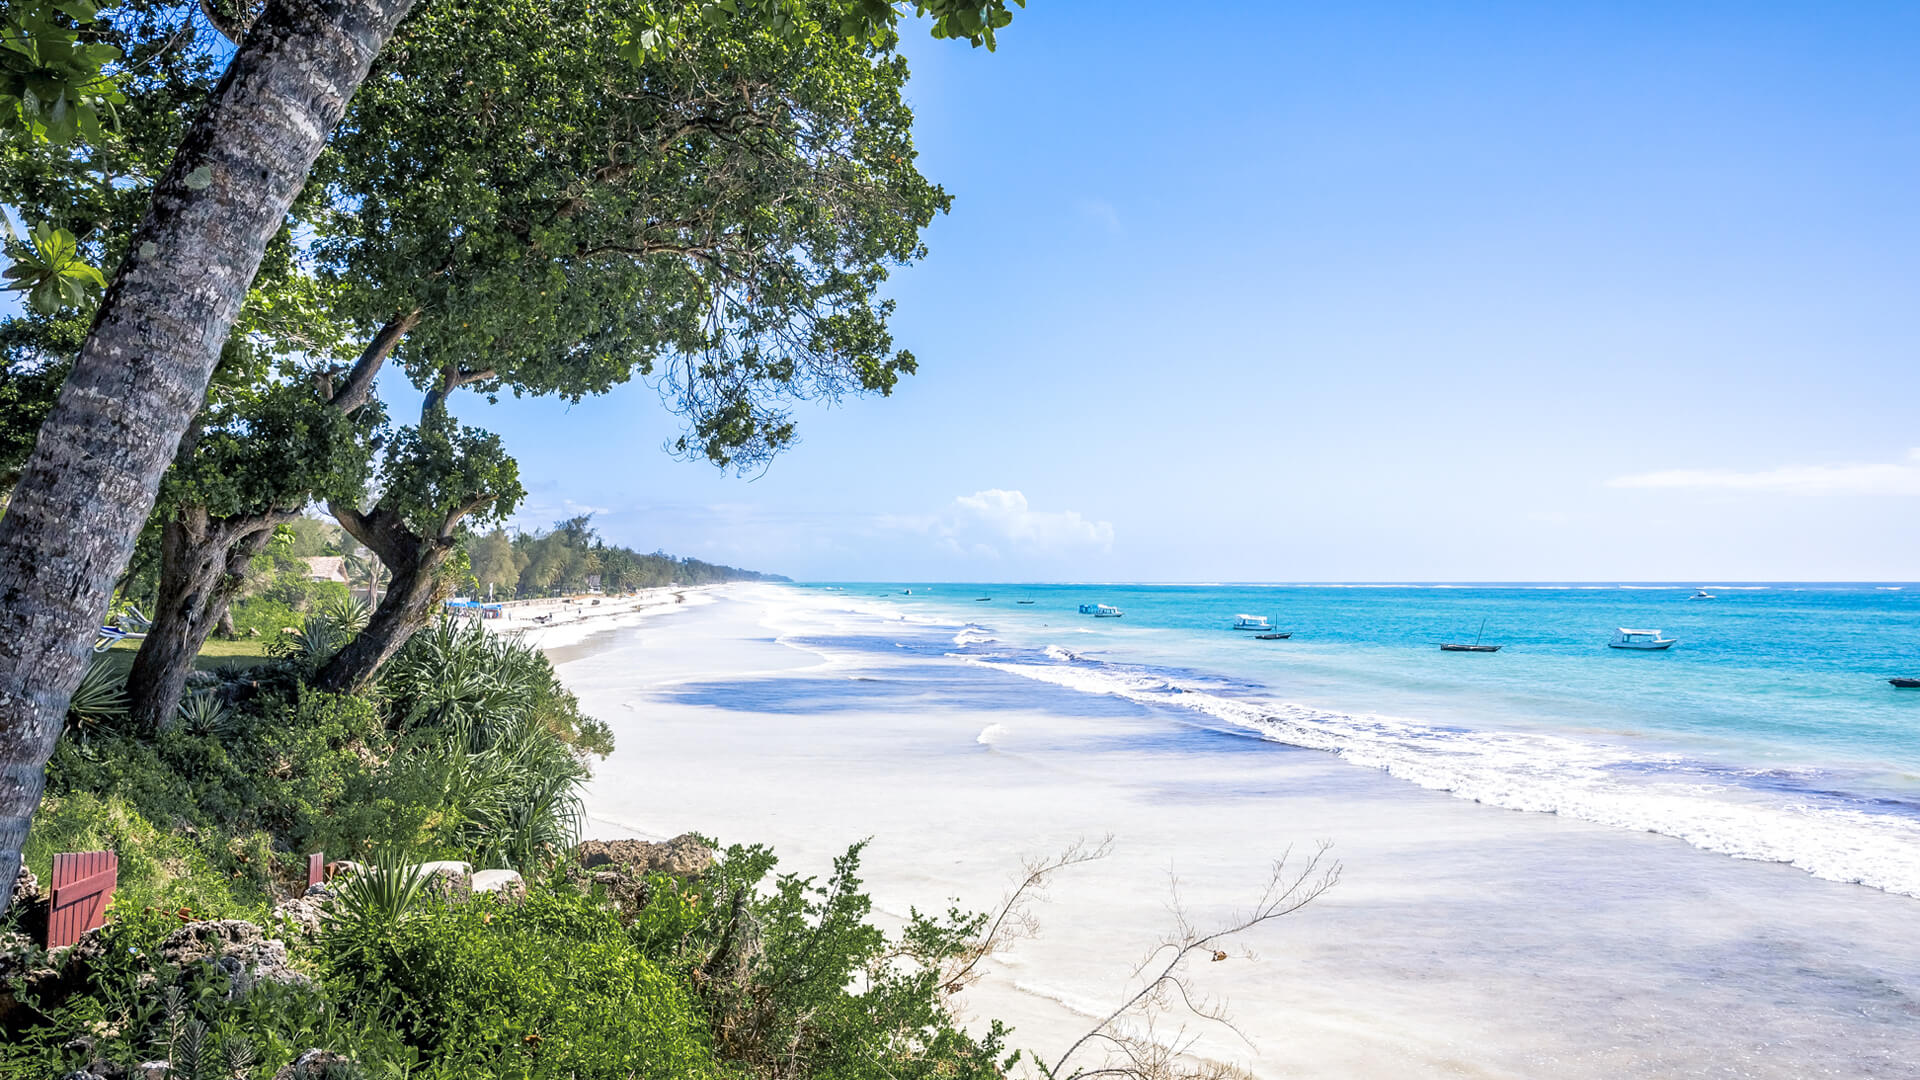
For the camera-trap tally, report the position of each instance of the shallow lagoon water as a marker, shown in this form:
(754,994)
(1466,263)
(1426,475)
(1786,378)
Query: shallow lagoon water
(1463,939)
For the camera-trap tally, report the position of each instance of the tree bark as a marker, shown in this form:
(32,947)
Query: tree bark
(143,372)
(203,562)
(415,562)
(202,565)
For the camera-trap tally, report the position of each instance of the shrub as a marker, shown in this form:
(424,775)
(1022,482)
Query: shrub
(159,867)
(120,1004)
(551,987)
(258,616)
(798,982)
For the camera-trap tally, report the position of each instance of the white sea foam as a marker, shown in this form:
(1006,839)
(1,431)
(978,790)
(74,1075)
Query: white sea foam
(991,735)
(1063,655)
(1549,774)
(973,634)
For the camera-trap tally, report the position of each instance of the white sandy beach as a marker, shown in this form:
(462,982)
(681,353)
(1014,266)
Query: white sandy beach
(1462,941)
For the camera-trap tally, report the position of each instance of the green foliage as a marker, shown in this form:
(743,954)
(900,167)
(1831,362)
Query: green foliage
(513,740)
(271,444)
(440,470)
(53,79)
(456,676)
(728,217)
(263,618)
(100,701)
(824,993)
(553,987)
(47,267)
(202,712)
(317,638)
(657,28)
(562,558)
(164,868)
(128,1007)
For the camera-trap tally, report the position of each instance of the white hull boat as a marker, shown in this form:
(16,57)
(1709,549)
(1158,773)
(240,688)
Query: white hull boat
(1645,640)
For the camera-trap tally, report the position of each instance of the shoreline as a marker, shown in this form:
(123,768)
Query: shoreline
(1464,940)
(576,622)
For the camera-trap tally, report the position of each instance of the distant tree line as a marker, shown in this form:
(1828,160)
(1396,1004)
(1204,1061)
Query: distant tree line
(572,557)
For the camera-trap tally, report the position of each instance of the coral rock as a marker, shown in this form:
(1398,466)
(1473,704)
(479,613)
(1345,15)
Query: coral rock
(238,949)
(683,856)
(316,1063)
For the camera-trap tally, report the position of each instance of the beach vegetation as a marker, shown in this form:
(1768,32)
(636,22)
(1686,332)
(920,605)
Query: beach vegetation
(777,123)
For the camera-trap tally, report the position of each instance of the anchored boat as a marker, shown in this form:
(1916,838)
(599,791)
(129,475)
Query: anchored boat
(1906,684)
(1641,639)
(1475,646)
(1274,637)
(1101,611)
(1251,622)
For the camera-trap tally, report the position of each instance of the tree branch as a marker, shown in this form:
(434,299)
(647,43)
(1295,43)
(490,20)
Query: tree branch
(359,385)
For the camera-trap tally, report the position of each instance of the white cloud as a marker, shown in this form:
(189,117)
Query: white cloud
(1007,515)
(980,525)
(1896,478)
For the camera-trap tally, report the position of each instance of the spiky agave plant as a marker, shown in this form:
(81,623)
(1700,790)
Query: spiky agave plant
(100,700)
(370,902)
(313,643)
(519,799)
(204,713)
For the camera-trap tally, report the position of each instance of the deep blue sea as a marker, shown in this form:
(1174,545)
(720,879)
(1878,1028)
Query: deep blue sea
(1769,732)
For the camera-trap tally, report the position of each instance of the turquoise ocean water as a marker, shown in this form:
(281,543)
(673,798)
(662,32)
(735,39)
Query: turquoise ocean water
(1770,732)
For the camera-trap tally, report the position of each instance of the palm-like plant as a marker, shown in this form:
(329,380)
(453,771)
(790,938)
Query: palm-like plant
(514,783)
(319,636)
(99,700)
(203,713)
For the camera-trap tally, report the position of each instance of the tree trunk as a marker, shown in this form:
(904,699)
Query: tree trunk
(202,564)
(203,561)
(91,481)
(415,562)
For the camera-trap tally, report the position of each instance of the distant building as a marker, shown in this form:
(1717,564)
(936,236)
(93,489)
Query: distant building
(327,568)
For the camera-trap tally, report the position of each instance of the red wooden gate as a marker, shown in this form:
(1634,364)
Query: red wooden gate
(82,884)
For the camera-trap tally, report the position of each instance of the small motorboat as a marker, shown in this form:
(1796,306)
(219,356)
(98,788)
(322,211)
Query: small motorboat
(981,599)
(1101,611)
(1023,601)
(1703,594)
(1474,646)
(1251,622)
(1641,639)
(1273,637)
(1906,684)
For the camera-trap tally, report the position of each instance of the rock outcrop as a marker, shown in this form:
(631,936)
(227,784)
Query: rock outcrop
(235,948)
(684,856)
(620,868)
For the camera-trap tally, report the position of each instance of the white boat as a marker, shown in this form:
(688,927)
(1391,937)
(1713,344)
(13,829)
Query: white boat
(1641,639)
(1703,595)
(1101,611)
(1251,622)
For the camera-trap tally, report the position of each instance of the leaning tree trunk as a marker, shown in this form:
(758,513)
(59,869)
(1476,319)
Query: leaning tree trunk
(204,560)
(415,562)
(143,372)
(202,563)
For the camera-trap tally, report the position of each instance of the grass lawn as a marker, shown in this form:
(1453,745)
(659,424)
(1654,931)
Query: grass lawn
(214,654)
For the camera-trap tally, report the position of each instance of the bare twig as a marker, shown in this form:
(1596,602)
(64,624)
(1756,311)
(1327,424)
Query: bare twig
(1164,988)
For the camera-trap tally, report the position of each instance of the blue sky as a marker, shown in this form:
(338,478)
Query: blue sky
(1360,292)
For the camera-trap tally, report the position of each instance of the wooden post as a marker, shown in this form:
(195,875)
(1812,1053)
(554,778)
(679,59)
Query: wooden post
(83,883)
(316,868)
